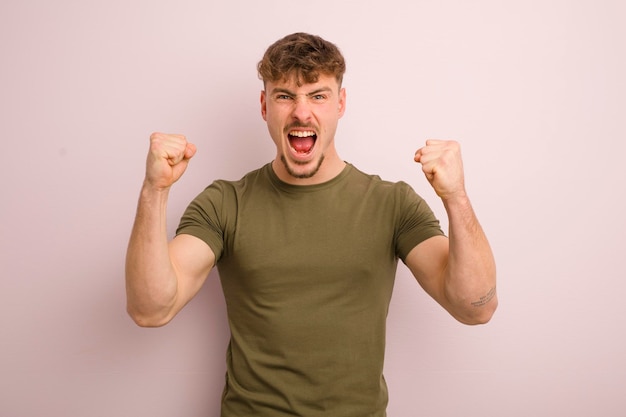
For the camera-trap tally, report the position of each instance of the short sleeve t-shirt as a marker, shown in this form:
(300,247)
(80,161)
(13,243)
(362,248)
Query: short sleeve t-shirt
(307,274)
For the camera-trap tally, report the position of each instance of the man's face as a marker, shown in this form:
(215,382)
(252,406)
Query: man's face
(302,121)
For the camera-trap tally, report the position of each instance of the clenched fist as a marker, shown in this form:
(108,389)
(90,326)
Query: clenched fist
(167,159)
(442,164)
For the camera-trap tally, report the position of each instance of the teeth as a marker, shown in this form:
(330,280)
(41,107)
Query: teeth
(301,134)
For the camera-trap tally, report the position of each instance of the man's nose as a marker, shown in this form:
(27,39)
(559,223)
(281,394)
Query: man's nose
(302,109)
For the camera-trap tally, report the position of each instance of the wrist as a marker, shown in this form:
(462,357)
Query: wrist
(152,192)
(459,198)
(153,187)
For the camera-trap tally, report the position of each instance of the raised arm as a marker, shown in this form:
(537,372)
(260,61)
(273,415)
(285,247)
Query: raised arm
(162,276)
(458,272)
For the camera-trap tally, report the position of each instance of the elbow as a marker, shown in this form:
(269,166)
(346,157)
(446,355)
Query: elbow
(149,311)
(478,315)
(471,309)
(142,319)
(477,319)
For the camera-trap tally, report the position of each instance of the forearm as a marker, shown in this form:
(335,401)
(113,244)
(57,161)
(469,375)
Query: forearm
(470,278)
(150,279)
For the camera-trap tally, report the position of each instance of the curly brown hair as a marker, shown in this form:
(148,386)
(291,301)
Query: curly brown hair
(304,56)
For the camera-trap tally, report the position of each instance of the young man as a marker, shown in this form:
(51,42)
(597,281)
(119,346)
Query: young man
(307,249)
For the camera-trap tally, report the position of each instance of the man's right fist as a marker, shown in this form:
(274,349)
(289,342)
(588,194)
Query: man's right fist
(167,159)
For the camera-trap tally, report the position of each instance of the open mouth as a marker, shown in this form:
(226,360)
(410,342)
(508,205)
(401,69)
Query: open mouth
(302,141)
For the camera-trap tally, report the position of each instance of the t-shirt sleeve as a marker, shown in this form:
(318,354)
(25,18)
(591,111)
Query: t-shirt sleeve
(416,221)
(204,218)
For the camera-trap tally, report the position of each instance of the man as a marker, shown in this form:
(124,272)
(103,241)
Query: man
(307,249)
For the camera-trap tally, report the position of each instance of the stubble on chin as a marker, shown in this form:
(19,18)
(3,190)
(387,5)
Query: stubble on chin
(302,175)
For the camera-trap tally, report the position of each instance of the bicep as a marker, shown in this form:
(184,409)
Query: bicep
(192,260)
(428,261)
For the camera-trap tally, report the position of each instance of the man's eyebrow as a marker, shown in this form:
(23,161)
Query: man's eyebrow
(282,90)
(320,90)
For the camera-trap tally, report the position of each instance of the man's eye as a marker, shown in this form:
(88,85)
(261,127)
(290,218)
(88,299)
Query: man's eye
(319,97)
(283,97)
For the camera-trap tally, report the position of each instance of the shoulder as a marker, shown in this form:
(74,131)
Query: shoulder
(233,187)
(375,183)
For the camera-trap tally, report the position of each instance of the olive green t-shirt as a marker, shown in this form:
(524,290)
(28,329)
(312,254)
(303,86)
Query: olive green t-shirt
(307,274)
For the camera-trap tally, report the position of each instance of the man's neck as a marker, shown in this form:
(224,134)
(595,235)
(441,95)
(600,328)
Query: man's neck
(328,170)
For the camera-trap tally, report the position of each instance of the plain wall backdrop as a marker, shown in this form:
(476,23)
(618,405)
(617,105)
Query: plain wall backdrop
(534,91)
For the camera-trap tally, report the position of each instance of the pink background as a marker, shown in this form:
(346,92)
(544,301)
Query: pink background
(535,91)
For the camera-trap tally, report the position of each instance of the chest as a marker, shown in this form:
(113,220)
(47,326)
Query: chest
(286,243)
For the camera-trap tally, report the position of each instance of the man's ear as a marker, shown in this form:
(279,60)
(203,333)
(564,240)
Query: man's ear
(263,105)
(342,102)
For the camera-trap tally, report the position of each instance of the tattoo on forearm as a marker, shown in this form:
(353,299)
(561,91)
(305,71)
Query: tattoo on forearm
(485,298)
